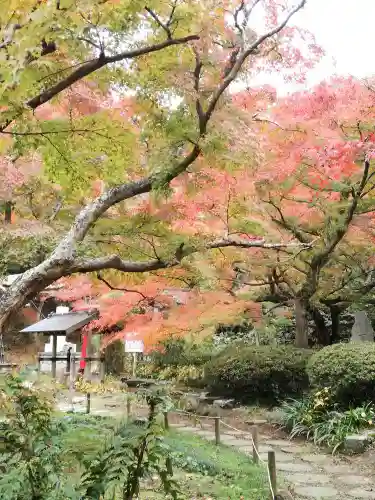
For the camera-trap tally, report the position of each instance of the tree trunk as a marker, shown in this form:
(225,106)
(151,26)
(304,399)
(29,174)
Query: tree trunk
(28,286)
(301,339)
(322,332)
(8,212)
(335,319)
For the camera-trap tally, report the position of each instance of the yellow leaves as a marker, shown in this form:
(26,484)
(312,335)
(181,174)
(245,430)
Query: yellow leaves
(321,398)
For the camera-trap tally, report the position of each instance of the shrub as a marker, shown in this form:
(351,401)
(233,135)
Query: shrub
(349,369)
(180,352)
(317,417)
(258,373)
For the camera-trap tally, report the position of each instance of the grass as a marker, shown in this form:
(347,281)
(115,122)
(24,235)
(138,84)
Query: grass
(202,469)
(225,472)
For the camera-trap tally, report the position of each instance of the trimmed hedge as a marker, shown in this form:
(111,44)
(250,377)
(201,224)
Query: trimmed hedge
(178,352)
(264,374)
(348,369)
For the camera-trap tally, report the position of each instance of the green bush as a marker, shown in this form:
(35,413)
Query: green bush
(265,374)
(348,369)
(114,358)
(180,352)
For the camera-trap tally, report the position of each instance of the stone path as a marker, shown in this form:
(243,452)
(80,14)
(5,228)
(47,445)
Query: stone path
(310,475)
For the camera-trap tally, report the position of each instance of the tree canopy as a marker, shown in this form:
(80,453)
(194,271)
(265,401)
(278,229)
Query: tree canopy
(111,113)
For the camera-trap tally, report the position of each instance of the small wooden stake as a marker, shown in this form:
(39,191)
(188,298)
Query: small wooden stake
(134,364)
(272,471)
(217,430)
(168,465)
(128,406)
(54,355)
(255,436)
(102,370)
(166,423)
(88,402)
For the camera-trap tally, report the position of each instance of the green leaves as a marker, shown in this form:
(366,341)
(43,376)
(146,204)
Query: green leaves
(32,468)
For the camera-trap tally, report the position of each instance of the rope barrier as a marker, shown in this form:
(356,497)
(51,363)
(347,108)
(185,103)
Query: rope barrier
(246,433)
(256,451)
(193,414)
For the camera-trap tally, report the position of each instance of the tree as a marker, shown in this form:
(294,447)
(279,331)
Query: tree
(319,188)
(154,309)
(49,47)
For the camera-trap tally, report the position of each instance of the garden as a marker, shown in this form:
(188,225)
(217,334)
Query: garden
(192,210)
(323,395)
(48,455)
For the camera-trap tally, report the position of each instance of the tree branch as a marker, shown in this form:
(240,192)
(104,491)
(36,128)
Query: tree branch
(92,66)
(115,261)
(111,287)
(242,58)
(159,22)
(321,257)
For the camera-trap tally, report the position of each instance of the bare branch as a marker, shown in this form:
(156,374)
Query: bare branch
(111,287)
(244,55)
(197,75)
(165,27)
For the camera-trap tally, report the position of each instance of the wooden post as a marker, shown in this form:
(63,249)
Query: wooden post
(72,380)
(88,355)
(134,364)
(168,465)
(54,354)
(166,423)
(128,406)
(102,370)
(88,402)
(255,436)
(217,430)
(272,471)
(73,370)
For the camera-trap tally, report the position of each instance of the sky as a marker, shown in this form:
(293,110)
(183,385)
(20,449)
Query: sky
(344,29)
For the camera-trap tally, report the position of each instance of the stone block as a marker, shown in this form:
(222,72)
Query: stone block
(355,443)
(224,403)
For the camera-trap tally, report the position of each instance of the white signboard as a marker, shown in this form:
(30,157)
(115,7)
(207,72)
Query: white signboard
(134,345)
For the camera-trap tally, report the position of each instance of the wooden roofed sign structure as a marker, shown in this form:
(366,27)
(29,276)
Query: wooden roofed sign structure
(61,325)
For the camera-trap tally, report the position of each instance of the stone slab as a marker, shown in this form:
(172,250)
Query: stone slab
(353,480)
(292,467)
(362,493)
(338,469)
(317,492)
(256,421)
(293,449)
(279,455)
(315,459)
(316,479)
(278,442)
(238,443)
(265,449)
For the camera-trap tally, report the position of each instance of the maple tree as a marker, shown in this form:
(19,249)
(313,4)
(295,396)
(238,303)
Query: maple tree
(317,185)
(134,146)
